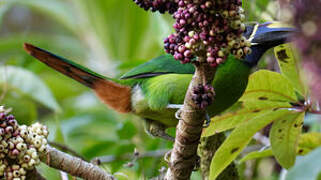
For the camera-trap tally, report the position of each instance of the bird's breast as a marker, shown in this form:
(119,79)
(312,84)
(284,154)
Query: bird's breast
(138,100)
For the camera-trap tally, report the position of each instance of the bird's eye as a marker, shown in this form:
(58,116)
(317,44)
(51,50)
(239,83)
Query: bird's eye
(248,31)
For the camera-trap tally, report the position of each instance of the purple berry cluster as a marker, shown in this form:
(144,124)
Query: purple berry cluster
(19,146)
(203,95)
(161,6)
(210,29)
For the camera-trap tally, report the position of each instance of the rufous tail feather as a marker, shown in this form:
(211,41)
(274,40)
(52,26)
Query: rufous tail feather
(115,95)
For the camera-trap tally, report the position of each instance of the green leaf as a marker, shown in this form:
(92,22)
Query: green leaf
(289,65)
(126,130)
(59,135)
(99,148)
(308,142)
(47,171)
(27,83)
(240,137)
(307,167)
(123,36)
(231,120)
(268,89)
(284,137)
(257,155)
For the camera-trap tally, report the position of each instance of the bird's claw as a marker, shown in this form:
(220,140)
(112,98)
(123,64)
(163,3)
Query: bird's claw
(157,130)
(178,114)
(207,118)
(207,121)
(167,156)
(197,163)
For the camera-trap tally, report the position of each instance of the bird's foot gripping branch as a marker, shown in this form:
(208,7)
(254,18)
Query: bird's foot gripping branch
(206,32)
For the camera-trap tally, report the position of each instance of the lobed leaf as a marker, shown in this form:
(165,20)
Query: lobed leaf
(284,136)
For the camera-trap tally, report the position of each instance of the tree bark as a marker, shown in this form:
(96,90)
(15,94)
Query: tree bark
(188,132)
(73,165)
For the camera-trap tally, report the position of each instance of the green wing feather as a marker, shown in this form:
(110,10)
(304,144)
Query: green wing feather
(170,88)
(165,64)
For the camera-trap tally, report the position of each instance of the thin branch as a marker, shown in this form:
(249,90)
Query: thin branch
(184,154)
(129,156)
(73,165)
(65,148)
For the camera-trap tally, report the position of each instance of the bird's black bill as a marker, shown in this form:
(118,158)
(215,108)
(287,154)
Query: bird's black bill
(271,34)
(266,36)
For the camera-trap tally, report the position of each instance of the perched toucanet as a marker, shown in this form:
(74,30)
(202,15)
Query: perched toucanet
(155,89)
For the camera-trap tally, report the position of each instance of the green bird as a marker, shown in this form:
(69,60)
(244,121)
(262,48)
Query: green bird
(156,89)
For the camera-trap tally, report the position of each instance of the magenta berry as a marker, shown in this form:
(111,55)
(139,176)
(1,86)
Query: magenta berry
(10,117)
(161,6)
(3,124)
(15,152)
(207,29)
(18,150)
(9,129)
(203,95)
(2,116)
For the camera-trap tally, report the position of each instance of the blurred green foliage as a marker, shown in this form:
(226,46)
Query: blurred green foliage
(108,36)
